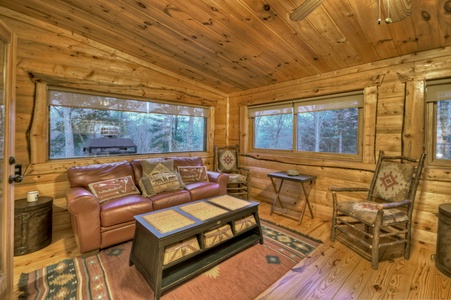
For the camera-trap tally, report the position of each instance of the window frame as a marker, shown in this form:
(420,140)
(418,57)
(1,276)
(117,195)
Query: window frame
(362,111)
(38,134)
(431,122)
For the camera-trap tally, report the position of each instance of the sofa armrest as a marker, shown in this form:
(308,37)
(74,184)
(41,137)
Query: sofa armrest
(84,209)
(221,178)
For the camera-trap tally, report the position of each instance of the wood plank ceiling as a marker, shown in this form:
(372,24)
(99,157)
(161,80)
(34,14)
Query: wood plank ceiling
(234,45)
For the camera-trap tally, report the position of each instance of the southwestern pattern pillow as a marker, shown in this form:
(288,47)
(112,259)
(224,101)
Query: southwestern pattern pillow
(157,166)
(113,188)
(393,182)
(153,184)
(193,173)
(227,160)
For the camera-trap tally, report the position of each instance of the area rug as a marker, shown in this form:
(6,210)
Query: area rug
(108,275)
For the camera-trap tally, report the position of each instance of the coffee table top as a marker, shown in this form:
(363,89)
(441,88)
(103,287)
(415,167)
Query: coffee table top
(168,220)
(184,216)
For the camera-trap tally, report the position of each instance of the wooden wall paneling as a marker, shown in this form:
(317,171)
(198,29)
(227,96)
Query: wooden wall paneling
(211,130)
(39,126)
(369,121)
(394,103)
(245,136)
(84,64)
(413,131)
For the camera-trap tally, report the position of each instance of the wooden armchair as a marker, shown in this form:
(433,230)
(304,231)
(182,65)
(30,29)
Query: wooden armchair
(227,161)
(385,218)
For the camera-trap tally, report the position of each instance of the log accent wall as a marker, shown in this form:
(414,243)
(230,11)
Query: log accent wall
(47,54)
(394,103)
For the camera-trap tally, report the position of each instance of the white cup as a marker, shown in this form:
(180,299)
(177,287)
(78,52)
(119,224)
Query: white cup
(32,196)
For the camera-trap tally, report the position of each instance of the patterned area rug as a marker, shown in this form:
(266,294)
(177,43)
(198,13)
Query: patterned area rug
(108,275)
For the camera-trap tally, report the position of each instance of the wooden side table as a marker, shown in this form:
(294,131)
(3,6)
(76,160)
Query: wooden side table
(303,180)
(32,225)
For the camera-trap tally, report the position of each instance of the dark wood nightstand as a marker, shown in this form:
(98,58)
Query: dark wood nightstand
(32,225)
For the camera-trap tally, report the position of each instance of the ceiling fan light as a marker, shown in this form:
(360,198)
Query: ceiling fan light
(398,9)
(305,9)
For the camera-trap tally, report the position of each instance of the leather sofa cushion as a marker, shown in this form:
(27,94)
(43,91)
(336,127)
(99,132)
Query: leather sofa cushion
(202,190)
(137,170)
(169,199)
(121,210)
(84,175)
(186,161)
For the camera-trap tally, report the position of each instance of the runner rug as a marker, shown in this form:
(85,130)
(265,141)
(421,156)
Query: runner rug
(107,275)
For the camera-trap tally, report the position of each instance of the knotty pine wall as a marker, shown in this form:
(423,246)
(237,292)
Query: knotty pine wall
(394,91)
(56,56)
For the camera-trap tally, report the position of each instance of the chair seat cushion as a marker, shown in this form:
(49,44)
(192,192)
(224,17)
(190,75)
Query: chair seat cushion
(367,211)
(237,178)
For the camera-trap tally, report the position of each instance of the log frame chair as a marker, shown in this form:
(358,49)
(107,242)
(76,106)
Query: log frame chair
(385,217)
(227,160)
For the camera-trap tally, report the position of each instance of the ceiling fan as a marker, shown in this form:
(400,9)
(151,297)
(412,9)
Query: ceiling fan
(396,10)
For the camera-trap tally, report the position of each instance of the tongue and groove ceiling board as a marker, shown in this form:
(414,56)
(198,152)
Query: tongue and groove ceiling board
(235,45)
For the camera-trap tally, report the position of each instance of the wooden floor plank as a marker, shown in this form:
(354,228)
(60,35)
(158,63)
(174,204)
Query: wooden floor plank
(337,276)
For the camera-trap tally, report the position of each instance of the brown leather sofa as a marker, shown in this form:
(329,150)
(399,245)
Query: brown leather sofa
(99,225)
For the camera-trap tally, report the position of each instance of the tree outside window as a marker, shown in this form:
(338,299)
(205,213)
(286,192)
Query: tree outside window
(328,124)
(79,121)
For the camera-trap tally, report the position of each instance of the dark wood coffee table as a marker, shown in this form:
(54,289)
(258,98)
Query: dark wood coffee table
(175,244)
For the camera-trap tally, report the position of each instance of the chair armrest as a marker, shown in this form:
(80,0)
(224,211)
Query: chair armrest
(84,209)
(80,199)
(394,204)
(348,189)
(220,178)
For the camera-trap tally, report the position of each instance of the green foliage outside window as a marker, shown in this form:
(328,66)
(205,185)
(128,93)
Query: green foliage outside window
(328,124)
(71,128)
(334,131)
(443,128)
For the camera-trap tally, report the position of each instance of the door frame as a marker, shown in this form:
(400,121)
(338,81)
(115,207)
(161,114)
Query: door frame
(7,203)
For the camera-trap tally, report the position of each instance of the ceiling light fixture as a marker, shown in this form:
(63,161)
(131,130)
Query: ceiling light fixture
(396,10)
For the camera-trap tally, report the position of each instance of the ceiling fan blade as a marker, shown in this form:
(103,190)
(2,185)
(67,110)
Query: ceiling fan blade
(305,9)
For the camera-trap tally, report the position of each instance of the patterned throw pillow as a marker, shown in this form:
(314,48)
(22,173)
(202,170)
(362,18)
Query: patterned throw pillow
(157,166)
(227,160)
(393,182)
(113,188)
(153,184)
(193,173)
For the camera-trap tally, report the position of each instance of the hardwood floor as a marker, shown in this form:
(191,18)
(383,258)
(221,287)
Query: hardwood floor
(332,271)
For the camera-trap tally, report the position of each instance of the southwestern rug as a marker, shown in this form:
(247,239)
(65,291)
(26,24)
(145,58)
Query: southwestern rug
(107,275)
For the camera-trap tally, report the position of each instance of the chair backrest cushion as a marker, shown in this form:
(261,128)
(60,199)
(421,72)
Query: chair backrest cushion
(227,160)
(393,181)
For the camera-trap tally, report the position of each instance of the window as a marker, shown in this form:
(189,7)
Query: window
(273,127)
(95,125)
(329,124)
(438,103)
